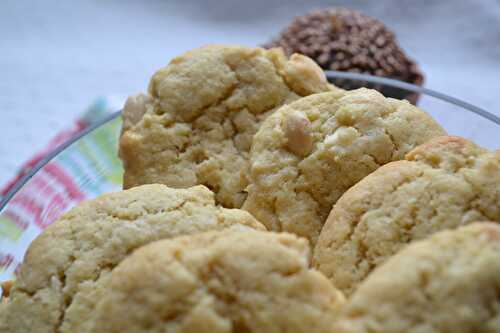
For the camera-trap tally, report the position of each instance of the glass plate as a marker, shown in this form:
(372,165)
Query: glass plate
(88,165)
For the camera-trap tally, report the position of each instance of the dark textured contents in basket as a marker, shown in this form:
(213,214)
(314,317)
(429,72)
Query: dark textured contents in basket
(346,40)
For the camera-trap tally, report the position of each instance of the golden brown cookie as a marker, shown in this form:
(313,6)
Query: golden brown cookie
(449,282)
(309,152)
(134,109)
(202,112)
(219,282)
(442,184)
(67,267)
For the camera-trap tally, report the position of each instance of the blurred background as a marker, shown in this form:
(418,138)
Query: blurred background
(57,57)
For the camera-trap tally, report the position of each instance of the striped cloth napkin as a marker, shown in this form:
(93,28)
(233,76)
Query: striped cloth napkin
(88,168)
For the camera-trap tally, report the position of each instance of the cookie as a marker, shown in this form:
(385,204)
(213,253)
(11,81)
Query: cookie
(66,268)
(307,154)
(201,114)
(449,282)
(442,184)
(135,107)
(219,282)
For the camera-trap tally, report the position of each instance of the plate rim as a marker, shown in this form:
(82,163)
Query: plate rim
(329,75)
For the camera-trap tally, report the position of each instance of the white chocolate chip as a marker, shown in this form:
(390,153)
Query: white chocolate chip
(343,137)
(304,75)
(298,134)
(307,67)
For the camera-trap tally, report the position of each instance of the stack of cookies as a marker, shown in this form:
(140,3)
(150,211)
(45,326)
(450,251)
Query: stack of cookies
(260,198)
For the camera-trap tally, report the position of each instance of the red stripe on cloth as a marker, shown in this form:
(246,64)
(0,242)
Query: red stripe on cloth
(53,144)
(29,205)
(45,197)
(62,177)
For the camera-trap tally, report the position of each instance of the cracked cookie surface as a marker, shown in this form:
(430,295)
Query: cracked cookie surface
(67,267)
(448,282)
(197,123)
(309,152)
(442,184)
(219,282)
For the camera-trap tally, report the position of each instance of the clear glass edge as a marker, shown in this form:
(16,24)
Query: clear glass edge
(19,184)
(414,88)
(329,74)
